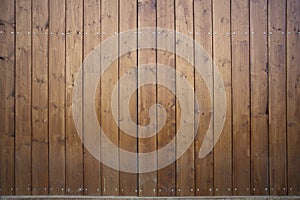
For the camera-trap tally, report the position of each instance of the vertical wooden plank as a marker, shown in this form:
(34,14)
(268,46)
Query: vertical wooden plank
(74,162)
(7,97)
(40,122)
(128,21)
(259,97)
(146,97)
(204,167)
(23,98)
(185,164)
(92,167)
(222,60)
(166,176)
(109,25)
(57,97)
(293,96)
(277,96)
(240,97)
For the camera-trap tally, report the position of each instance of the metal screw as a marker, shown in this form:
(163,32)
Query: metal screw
(235,189)
(217,189)
(228,189)
(192,190)
(178,189)
(45,188)
(198,189)
(210,189)
(159,190)
(266,189)
(253,189)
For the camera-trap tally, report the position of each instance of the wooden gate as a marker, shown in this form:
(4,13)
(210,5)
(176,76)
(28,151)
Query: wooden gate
(254,44)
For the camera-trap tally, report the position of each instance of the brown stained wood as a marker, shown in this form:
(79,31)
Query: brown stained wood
(222,60)
(277,97)
(74,160)
(185,183)
(57,97)
(92,167)
(293,97)
(23,99)
(40,121)
(40,150)
(146,97)
(109,25)
(240,97)
(7,98)
(259,97)
(203,167)
(128,21)
(166,182)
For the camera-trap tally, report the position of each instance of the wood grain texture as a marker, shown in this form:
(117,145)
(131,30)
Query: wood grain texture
(240,97)
(23,99)
(166,182)
(277,97)
(109,25)
(128,21)
(92,167)
(184,24)
(222,59)
(74,156)
(259,97)
(293,97)
(254,44)
(40,98)
(204,174)
(7,98)
(147,97)
(57,97)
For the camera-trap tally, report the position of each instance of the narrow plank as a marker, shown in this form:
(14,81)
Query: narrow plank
(23,99)
(57,97)
(185,180)
(92,167)
(222,59)
(277,97)
(146,97)
(203,167)
(109,25)
(40,26)
(128,21)
(293,97)
(240,97)
(166,177)
(74,160)
(7,98)
(259,97)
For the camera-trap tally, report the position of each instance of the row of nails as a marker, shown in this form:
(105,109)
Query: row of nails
(140,190)
(104,33)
